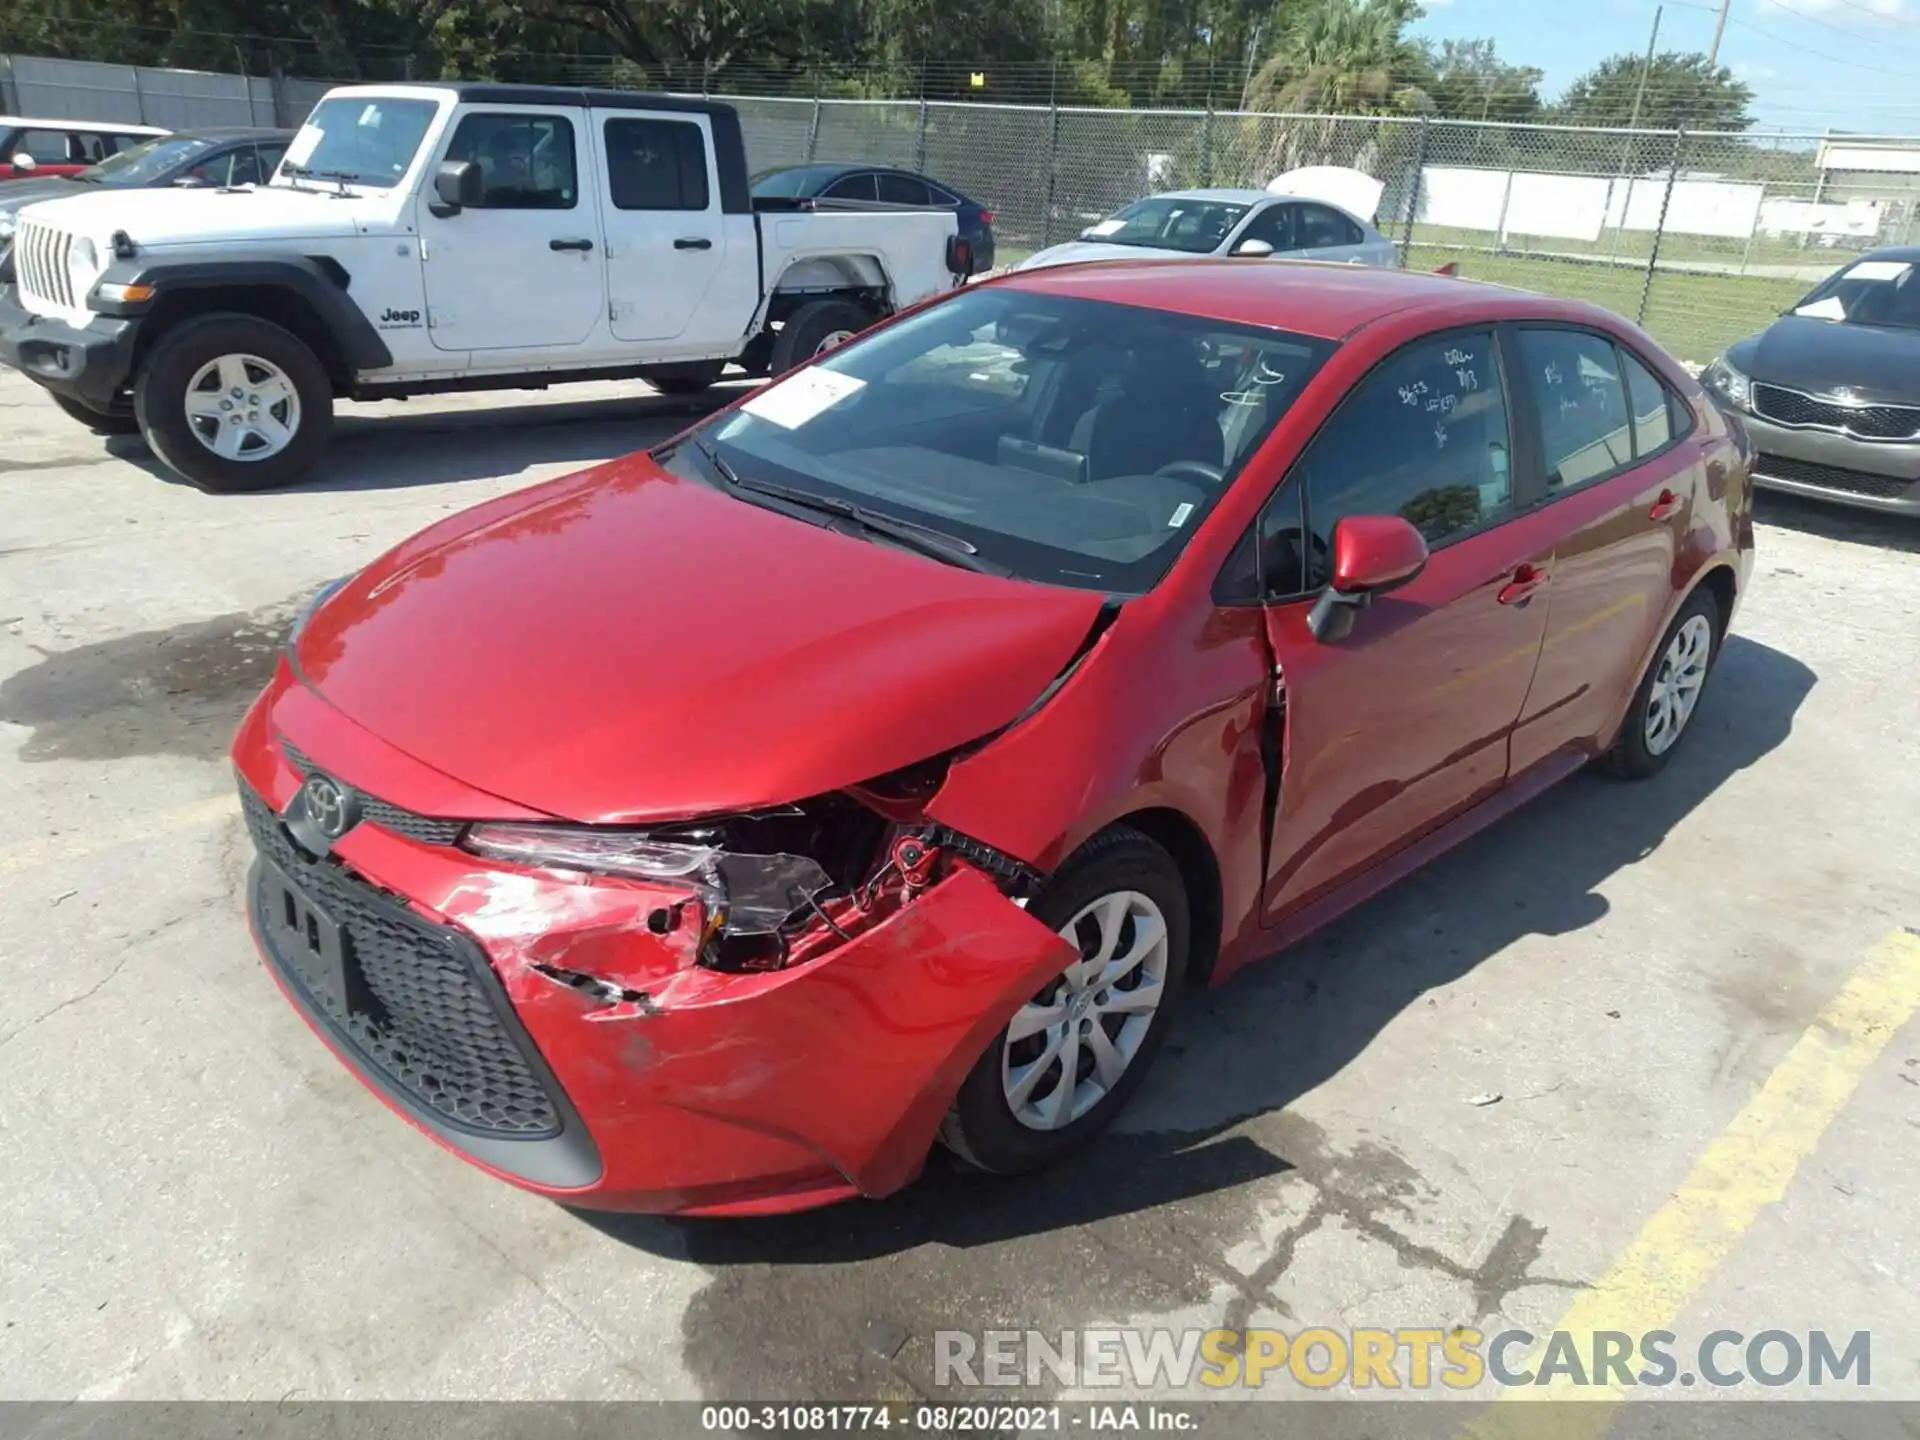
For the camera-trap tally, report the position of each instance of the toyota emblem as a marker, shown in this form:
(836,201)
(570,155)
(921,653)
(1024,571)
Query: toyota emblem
(328,806)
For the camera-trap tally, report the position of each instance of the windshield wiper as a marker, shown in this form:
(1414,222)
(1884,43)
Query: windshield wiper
(923,539)
(339,177)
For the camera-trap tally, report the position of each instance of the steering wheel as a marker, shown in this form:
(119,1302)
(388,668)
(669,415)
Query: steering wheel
(1193,469)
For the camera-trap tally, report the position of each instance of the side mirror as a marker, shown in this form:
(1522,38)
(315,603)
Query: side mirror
(459,185)
(1255,249)
(1372,554)
(959,256)
(24,163)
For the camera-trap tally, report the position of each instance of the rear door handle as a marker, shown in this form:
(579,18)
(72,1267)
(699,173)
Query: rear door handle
(1526,579)
(1665,507)
(581,244)
(692,242)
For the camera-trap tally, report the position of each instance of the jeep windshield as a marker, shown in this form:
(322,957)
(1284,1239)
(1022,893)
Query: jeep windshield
(1065,440)
(1170,222)
(359,140)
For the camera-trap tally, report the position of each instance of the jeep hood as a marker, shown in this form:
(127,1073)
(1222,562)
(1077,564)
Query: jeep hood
(169,216)
(625,645)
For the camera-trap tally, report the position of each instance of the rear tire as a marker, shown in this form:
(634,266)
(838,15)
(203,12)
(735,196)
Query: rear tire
(100,422)
(1669,695)
(814,329)
(1003,1119)
(241,383)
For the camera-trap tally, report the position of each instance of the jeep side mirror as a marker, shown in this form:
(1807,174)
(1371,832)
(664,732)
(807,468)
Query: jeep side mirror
(24,163)
(1254,249)
(458,184)
(1372,554)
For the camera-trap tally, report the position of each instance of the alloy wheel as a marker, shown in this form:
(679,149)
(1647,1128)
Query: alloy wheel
(242,407)
(1677,683)
(1068,1047)
(832,340)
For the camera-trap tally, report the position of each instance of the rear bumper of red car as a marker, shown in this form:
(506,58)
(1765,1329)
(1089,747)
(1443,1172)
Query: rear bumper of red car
(660,1086)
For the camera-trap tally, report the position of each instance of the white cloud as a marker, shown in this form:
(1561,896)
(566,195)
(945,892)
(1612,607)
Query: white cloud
(1752,73)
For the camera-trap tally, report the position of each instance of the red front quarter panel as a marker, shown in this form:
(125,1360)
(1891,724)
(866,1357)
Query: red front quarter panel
(719,1092)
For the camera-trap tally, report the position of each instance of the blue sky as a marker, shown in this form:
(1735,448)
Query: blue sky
(1813,64)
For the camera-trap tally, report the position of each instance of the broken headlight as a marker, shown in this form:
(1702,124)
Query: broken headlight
(745,895)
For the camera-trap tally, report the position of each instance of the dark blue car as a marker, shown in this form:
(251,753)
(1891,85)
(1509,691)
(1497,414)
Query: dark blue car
(879,185)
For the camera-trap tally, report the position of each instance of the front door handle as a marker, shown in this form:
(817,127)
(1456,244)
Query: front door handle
(692,242)
(580,244)
(1665,507)
(1526,579)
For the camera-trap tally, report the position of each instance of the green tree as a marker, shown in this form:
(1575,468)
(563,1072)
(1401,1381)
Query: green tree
(1348,57)
(1469,81)
(1680,90)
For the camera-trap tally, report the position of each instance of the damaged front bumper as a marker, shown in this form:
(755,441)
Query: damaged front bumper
(546,1027)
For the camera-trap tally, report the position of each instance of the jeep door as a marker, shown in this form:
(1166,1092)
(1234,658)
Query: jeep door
(523,268)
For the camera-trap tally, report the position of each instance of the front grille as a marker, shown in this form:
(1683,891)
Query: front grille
(40,261)
(427,829)
(1864,422)
(1830,477)
(425,1014)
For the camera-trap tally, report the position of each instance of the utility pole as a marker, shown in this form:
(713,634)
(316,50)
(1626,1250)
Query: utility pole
(1646,65)
(1713,55)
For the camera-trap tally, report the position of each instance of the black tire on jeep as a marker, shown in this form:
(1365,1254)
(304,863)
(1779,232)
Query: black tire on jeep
(815,328)
(234,403)
(101,422)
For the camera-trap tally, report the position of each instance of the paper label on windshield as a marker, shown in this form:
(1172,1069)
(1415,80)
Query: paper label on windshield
(1827,309)
(1879,270)
(303,145)
(792,402)
(1106,227)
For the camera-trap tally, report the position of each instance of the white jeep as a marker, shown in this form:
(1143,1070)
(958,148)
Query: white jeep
(424,238)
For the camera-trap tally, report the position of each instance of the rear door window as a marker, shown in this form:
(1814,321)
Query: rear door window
(1581,405)
(656,165)
(1321,228)
(851,187)
(902,190)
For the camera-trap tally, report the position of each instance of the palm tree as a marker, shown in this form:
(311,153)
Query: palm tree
(1340,57)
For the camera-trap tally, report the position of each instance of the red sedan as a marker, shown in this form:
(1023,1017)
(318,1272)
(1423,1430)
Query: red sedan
(879,761)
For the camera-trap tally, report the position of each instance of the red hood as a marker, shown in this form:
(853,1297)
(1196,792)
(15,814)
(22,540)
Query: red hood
(624,645)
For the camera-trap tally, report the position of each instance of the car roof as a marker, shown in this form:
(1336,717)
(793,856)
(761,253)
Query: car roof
(1220,193)
(1908,253)
(1324,299)
(824,169)
(233,132)
(489,92)
(114,127)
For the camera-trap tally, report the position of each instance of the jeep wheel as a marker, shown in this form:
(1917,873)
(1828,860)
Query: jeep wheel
(101,422)
(814,329)
(234,403)
(687,379)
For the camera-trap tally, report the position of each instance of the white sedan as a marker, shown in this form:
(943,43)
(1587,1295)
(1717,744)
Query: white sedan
(1254,223)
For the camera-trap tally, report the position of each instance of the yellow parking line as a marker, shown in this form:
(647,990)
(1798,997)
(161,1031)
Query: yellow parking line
(1745,1170)
(31,854)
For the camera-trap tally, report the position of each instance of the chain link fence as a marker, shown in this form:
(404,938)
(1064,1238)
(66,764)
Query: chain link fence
(1701,237)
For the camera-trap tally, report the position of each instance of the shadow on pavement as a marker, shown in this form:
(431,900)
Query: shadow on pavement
(1143,1219)
(1828,521)
(434,447)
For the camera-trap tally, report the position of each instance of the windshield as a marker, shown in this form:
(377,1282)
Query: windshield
(1170,223)
(144,164)
(1868,292)
(1070,441)
(366,140)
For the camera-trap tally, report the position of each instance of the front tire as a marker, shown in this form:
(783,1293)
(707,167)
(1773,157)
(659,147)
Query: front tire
(688,379)
(100,422)
(814,329)
(1669,694)
(1070,1059)
(234,403)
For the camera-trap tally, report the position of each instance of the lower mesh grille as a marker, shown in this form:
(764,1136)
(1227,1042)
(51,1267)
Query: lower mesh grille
(423,1013)
(1830,477)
